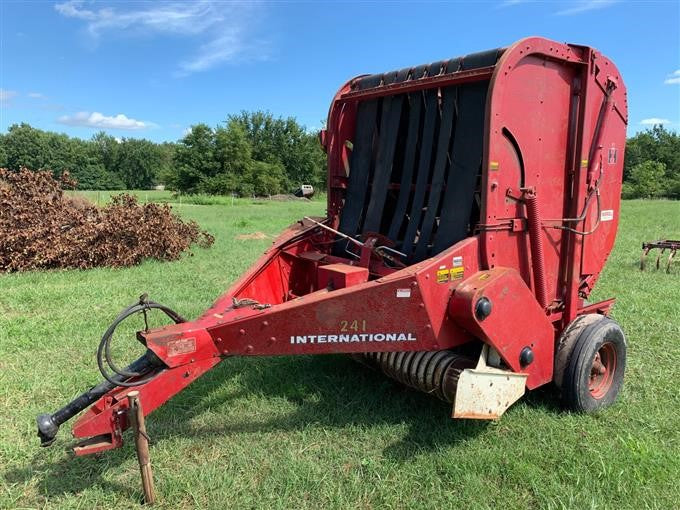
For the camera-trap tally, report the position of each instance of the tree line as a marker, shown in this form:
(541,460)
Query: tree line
(652,164)
(103,162)
(252,153)
(255,153)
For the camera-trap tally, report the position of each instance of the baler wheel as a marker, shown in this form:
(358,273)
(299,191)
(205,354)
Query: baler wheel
(567,341)
(594,372)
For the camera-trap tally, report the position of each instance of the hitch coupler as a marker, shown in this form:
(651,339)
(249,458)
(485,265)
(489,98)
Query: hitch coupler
(48,424)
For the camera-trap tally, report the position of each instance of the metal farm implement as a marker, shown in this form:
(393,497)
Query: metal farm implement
(662,245)
(472,204)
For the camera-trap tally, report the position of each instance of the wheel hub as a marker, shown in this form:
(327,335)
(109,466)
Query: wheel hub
(602,370)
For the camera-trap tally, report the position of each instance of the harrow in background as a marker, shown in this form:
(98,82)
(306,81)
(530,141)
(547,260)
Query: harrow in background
(662,245)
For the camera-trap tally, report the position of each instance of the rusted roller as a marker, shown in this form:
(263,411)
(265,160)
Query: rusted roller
(449,380)
(434,372)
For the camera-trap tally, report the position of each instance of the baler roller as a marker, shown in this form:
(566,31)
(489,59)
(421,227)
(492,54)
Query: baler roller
(432,372)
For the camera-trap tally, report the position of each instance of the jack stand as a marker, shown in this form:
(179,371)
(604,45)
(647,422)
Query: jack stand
(136,417)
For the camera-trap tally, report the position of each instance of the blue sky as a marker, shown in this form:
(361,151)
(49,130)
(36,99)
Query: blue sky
(152,69)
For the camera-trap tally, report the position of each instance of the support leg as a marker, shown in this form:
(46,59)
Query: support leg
(136,417)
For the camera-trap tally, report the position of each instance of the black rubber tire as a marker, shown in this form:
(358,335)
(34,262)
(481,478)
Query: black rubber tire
(567,341)
(603,336)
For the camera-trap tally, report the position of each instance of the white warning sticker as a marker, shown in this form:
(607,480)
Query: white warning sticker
(607,215)
(457,261)
(404,293)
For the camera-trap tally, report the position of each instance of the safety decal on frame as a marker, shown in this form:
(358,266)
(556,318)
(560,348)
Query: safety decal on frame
(443,274)
(447,274)
(611,158)
(457,273)
(607,215)
(403,293)
(181,346)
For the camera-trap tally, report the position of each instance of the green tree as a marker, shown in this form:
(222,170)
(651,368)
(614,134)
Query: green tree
(194,159)
(220,184)
(233,152)
(95,176)
(252,153)
(26,146)
(659,145)
(287,143)
(3,153)
(646,179)
(107,149)
(139,162)
(167,151)
(266,178)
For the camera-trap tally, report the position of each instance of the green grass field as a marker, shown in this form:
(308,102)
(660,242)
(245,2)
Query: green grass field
(323,432)
(170,197)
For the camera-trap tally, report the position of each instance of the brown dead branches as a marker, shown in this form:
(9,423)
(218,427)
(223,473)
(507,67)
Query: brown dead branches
(42,228)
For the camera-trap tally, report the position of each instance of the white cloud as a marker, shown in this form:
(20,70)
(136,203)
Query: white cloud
(6,95)
(222,49)
(653,121)
(223,29)
(176,17)
(580,6)
(673,78)
(100,121)
(36,95)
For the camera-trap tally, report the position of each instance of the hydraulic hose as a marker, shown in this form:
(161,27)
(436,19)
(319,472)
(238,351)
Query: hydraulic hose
(141,371)
(48,424)
(104,350)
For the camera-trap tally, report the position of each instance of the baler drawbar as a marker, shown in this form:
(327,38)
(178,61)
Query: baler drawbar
(472,204)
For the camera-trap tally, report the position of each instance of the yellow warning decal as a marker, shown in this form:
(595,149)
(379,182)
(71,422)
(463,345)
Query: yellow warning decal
(457,273)
(493,165)
(442,275)
(584,163)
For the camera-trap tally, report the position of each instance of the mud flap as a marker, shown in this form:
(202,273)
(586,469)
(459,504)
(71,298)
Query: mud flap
(485,392)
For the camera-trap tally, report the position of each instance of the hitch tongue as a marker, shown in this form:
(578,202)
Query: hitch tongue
(48,424)
(47,429)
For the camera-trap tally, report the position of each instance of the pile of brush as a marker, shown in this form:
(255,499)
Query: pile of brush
(41,227)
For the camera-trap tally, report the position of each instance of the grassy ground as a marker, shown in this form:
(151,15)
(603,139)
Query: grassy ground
(170,197)
(322,432)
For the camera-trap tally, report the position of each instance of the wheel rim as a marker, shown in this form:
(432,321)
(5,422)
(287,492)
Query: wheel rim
(602,370)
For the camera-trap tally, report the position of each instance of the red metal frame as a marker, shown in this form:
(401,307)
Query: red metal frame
(535,274)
